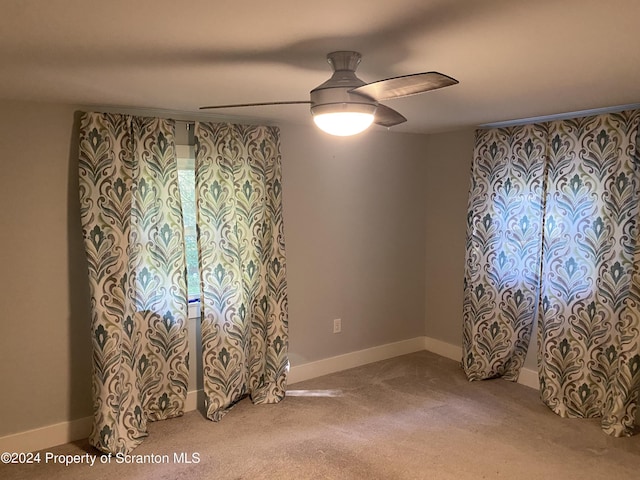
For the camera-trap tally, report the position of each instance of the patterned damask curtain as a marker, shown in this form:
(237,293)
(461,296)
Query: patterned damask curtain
(502,264)
(587,301)
(132,225)
(589,357)
(242,264)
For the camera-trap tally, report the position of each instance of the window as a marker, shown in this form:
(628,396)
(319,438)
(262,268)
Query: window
(187,182)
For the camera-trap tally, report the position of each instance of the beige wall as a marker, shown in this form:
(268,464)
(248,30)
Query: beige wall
(44,339)
(446,188)
(354,226)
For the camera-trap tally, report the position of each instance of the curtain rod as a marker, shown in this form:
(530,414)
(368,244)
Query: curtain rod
(560,116)
(178,115)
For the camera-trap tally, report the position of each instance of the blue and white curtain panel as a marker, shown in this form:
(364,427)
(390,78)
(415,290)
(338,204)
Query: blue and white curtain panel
(553,236)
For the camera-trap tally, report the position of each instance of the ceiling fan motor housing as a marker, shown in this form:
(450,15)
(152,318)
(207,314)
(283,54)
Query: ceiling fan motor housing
(334,94)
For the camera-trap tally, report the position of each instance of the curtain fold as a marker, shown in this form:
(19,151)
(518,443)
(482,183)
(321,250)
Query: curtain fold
(132,226)
(589,336)
(242,264)
(582,178)
(502,264)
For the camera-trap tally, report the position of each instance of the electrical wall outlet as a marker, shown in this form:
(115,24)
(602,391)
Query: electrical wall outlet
(337,325)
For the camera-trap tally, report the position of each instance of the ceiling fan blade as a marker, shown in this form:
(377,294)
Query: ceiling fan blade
(405,85)
(387,117)
(295,102)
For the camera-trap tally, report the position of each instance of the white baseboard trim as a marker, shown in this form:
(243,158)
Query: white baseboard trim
(528,377)
(65,432)
(306,371)
(444,349)
(191,403)
(46,437)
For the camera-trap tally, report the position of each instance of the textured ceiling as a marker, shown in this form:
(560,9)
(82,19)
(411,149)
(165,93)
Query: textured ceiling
(513,58)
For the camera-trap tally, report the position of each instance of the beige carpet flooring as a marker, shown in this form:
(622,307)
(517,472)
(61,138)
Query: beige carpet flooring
(410,417)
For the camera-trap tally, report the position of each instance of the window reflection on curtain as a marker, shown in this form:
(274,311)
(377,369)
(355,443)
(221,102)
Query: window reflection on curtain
(589,318)
(503,250)
(132,225)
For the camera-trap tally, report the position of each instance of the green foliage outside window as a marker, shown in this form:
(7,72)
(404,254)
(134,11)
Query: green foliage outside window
(187,181)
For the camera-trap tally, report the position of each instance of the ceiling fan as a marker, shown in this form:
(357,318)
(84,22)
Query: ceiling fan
(345,105)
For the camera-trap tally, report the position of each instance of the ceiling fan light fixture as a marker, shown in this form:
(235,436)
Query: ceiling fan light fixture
(345,105)
(344,119)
